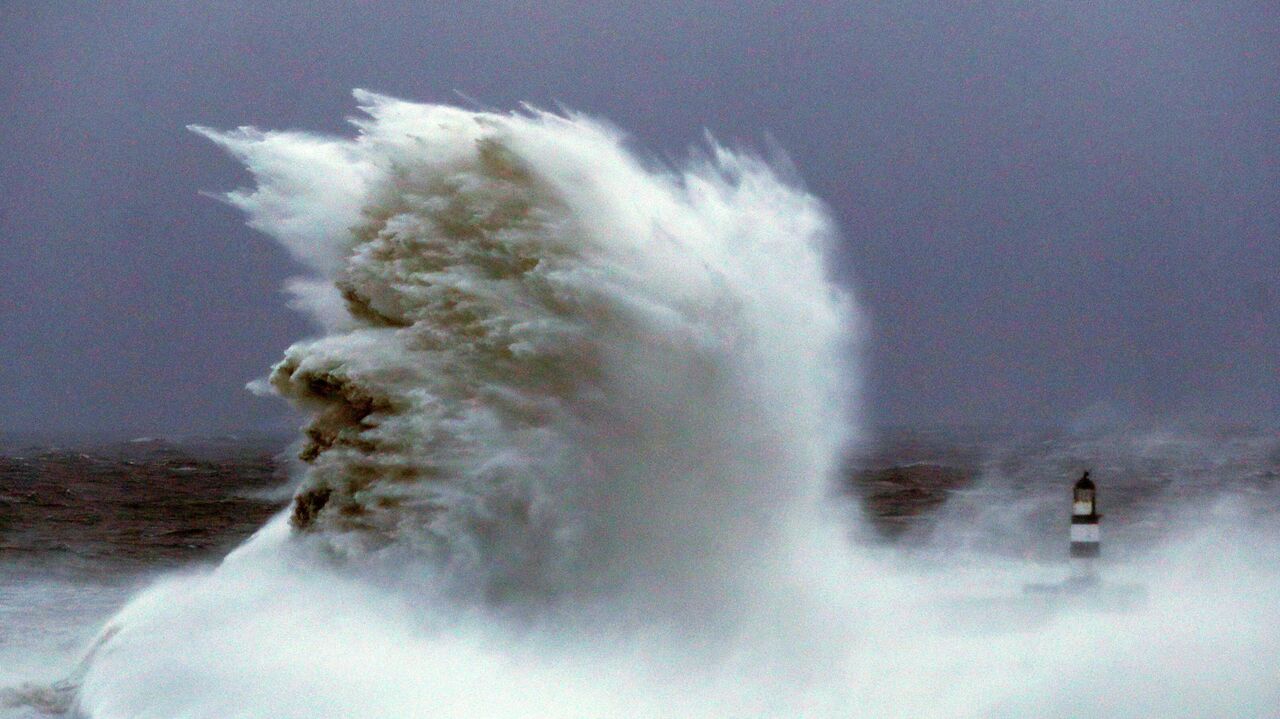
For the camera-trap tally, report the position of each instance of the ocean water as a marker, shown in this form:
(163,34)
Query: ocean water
(1188,517)
(577,440)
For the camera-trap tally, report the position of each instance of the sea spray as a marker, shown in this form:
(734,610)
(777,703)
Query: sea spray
(555,370)
(572,417)
(553,380)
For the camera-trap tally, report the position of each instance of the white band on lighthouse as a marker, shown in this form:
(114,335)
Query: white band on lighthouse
(1084,533)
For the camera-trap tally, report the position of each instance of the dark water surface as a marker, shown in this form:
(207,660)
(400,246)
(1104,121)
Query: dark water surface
(116,509)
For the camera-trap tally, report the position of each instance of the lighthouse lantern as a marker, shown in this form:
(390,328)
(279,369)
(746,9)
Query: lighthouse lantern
(1084,497)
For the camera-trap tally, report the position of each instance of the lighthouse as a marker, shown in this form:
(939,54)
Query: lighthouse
(1085,544)
(1084,585)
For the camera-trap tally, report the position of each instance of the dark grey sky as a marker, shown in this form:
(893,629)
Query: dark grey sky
(1049,208)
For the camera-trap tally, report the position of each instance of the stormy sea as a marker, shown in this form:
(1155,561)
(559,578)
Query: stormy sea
(583,439)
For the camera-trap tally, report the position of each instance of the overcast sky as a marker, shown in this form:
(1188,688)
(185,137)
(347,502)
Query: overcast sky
(1051,211)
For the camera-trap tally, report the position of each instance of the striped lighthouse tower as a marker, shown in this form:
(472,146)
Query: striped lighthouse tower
(1085,544)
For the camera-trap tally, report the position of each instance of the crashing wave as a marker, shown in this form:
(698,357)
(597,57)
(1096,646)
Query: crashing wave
(546,366)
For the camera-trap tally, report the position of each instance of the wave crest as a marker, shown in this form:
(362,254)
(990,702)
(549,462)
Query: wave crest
(548,367)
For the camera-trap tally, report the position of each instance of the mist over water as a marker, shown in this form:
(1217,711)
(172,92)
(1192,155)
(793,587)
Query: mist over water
(574,423)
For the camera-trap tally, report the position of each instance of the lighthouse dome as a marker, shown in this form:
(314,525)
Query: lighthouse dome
(1085,482)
